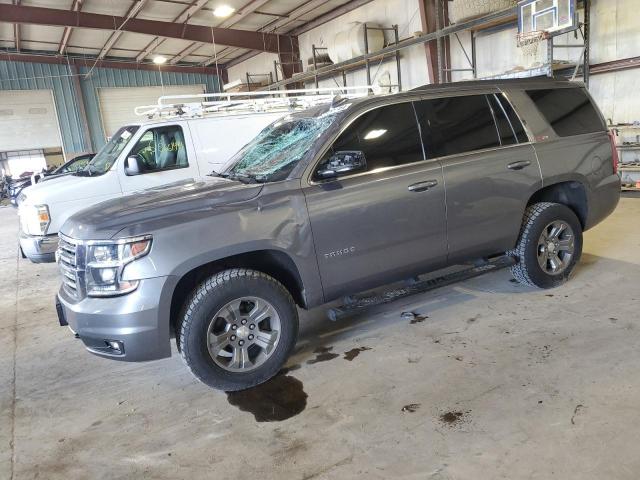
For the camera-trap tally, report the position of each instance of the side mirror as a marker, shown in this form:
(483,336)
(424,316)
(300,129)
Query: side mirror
(342,162)
(133,166)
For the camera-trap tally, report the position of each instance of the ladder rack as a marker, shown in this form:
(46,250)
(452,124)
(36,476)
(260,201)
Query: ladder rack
(237,103)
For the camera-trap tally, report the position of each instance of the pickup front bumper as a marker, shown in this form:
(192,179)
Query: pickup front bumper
(39,249)
(132,327)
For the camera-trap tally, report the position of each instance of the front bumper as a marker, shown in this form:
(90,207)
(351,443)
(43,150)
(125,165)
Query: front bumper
(39,249)
(138,320)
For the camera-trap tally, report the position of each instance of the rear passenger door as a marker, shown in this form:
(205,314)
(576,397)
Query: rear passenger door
(490,170)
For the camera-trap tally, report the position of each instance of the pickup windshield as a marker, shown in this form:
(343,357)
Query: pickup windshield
(278,148)
(108,154)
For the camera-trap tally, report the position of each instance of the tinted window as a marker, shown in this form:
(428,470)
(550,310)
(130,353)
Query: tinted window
(509,125)
(568,110)
(388,136)
(161,149)
(456,125)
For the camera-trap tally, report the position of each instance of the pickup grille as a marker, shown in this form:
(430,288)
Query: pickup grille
(69,266)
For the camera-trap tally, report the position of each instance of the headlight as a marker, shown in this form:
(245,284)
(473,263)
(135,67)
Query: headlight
(105,264)
(35,219)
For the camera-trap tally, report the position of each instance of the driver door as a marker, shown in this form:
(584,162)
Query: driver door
(164,155)
(385,222)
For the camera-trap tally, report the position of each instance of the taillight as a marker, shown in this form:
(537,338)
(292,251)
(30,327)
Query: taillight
(614,151)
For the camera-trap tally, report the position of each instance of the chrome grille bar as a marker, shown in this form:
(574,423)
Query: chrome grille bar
(68,265)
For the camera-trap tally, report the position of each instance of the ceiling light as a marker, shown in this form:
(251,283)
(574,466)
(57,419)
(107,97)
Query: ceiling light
(223,11)
(159,59)
(373,134)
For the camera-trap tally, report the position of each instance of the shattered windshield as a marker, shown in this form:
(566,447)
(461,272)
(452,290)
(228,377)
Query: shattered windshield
(278,148)
(108,154)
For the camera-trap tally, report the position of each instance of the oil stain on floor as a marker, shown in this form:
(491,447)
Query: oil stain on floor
(323,354)
(354,352)
(279,399)
(454,418)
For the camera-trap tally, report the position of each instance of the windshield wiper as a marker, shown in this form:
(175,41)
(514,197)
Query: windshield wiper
(243,177)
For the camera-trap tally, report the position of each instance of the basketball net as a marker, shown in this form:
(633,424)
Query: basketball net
(529,42)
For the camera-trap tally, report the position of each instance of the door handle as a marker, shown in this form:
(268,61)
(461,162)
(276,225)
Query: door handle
(423,186)
(519,165)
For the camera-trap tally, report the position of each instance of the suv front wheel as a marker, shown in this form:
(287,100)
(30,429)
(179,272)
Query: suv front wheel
(238,329)
(549,246)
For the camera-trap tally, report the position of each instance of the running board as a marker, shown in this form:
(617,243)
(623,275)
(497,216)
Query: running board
(360,304)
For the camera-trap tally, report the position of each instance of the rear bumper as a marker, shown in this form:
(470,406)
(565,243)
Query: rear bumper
(603,200)
(39,249)
(139,321)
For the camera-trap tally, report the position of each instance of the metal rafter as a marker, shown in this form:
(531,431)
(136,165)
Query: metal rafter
(183,17)
(196,33)
(76,6)
(274,25)
(135,8)
(16,30)
(237,17)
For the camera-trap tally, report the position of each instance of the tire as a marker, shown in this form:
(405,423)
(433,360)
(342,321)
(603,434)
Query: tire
(535,254)
(235,296)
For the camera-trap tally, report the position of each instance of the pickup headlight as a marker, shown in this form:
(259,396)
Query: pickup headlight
(35,219)
(106,261)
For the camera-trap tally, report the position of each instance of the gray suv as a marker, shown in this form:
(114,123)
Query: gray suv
(332,201)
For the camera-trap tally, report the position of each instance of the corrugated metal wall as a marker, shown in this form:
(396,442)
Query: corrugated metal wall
(57,77)
(38,76)
(110,77)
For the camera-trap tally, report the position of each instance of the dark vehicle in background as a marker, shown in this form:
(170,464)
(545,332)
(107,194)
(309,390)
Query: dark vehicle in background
(74,165)
(15,187)
(334,201)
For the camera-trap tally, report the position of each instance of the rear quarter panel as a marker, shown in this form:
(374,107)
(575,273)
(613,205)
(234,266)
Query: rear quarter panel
(586,159)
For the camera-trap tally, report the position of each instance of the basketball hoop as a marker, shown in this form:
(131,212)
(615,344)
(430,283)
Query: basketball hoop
(528,42)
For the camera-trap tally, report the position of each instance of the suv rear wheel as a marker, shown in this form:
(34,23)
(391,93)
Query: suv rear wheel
(549,246)
(238,329)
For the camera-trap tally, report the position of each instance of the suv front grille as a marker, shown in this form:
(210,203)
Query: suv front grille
(68,255)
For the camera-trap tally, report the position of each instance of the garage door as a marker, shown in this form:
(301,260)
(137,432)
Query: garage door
(28,120)
(117,104)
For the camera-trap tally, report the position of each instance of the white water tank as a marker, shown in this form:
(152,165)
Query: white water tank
(350,43)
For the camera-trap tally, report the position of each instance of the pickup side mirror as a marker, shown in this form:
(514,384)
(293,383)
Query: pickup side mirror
(133,166)
(340,163)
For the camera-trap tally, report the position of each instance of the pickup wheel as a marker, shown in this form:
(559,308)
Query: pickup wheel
(549,246)
(238,329)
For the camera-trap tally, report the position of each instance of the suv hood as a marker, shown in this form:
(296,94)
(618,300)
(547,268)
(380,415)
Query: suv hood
(104,220)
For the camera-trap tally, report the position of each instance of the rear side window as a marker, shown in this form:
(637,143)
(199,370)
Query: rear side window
(568,110)
(388,136)
(509,124)
(456,125)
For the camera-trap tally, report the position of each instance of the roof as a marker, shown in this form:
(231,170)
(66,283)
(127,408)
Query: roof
(49,27)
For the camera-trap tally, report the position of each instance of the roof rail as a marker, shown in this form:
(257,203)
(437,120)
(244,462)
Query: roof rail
(237,103)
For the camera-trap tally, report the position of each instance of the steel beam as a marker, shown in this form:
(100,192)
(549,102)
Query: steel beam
(76,6)
(135,8)
(268,42)
(89,62)
(183,17)
(238,16)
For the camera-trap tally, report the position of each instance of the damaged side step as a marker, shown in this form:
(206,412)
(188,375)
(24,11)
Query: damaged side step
(358,305)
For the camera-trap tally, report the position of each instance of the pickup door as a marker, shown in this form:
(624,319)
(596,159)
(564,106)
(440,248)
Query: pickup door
(165,155)
(387,221)
(490,170)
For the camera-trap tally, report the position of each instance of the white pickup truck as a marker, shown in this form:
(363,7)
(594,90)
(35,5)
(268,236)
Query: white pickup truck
(185,141)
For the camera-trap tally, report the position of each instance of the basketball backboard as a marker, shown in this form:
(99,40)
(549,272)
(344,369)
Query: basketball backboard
(551,16)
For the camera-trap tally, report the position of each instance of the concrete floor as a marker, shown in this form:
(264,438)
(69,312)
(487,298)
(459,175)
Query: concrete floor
(500,381)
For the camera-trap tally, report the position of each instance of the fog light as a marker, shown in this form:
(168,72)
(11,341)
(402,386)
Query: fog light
(116,346)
